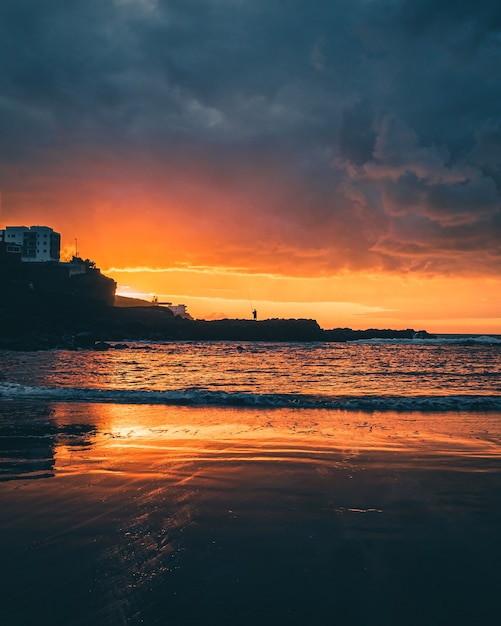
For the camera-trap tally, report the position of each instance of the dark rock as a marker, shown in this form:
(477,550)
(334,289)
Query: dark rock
(423,334)
(101,346)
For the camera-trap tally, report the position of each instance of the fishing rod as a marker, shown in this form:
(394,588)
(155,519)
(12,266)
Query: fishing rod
(254,312)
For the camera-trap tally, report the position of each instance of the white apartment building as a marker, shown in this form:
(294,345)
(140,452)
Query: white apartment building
(178,309)
(38,243)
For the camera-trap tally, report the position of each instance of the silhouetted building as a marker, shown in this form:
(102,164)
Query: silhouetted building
(178,309)
(9,252)
(37,243)
(31,275)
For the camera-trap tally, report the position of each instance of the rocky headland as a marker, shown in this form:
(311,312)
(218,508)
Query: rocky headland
(61,325)
(71,305)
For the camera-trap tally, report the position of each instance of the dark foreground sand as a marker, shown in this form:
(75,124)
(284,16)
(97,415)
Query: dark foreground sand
(115,514)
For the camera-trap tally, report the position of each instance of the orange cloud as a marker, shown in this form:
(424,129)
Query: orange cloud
(212,237)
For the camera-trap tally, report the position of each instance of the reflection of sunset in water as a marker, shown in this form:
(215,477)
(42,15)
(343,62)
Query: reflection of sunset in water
(202,372)
(152,439)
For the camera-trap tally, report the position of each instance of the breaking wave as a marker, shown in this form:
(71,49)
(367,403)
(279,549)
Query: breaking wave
(438,340)
(201,397)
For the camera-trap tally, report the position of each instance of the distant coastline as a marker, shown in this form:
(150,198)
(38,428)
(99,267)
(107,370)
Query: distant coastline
(50,305)
(62,325)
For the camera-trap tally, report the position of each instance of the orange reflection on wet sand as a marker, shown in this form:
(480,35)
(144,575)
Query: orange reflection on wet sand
(151,439)
(156,514)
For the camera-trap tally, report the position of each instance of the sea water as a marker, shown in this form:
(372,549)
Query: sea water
(278,483)
(460,372)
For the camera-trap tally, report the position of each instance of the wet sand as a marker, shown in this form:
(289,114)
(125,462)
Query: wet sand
(118,514)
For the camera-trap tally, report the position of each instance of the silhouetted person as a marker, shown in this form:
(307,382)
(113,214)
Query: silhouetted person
(254,314)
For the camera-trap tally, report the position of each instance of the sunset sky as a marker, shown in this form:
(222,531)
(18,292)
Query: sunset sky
(329,159)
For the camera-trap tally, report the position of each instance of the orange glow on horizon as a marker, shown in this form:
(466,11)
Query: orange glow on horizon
(355,299)
(195,237)
(359,301)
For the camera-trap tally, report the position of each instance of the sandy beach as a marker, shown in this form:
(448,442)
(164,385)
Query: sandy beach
(119,514)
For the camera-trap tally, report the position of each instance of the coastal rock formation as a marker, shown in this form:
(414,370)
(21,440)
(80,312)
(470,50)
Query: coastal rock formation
(71,306)
(109,327)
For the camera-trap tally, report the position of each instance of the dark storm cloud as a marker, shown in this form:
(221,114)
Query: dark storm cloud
(382,116)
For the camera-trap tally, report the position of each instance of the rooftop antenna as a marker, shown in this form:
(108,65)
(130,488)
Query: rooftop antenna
(76,247)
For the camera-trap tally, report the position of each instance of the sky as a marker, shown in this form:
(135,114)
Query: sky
(329,159)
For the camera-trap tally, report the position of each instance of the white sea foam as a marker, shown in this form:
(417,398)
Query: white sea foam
(436,340)
(201,397)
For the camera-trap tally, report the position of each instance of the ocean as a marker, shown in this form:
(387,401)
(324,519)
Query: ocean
(275,483)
